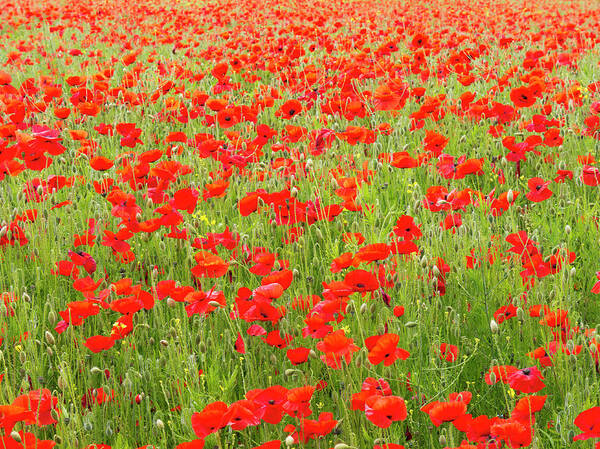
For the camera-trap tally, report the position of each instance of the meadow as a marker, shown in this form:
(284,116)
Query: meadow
(299,224)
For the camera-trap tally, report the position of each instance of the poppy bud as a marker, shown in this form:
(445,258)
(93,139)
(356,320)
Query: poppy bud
(504,162)
(290,372)
(87,426)
(22,357)
(493,378)
(15,436)
(49,351)
(567,229)
(214,304)
(312,354)
(294,192)
(572,271)
(442,440)
(342,446)
(520,314)
(49,338)
(494,327)
(165,343)
(571,436)
(319,233)
(202,347)
(363,308)
(273,359)
(159,424)
(289,440)
(3,231)
(26,297)
(410,324)
(171,302)
(510,196)
(61,383)
(570,345)
(436,271)
(127,384)
(95,370)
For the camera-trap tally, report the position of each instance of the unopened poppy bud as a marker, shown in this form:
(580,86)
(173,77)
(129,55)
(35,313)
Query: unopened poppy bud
(22,357)
(571,436)
(510,196)
(171,302)
(435,270)
(567,229)
(273,359)
(494,327)
(214,304)
(289,440)
(493,378)
(127,384)
(61,383)
(15,436)
(319,233)
(504,162)
(290,372)
(49,338)
(312,354)
(49,351)
(294,192)
(363,308)
(342,446)
(202,347)
(442,440)
(3,231)
(95,370)
(570,345)
(164,343)
(26,297)
(410,324)
(572,271)
(40,190)
(520,314)
(159,424)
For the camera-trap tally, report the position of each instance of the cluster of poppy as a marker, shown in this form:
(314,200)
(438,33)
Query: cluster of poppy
(308,99)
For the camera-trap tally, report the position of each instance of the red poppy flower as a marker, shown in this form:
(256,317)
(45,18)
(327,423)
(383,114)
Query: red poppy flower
(526,380)
(384,410)
(588,422)
(538,190)
(522,97)
(448,352)
(289,109)
(383,348)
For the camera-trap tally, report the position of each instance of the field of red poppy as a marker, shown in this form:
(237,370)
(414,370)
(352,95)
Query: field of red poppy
(304,224)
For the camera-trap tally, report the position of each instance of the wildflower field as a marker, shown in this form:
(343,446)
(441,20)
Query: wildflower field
(308,224)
